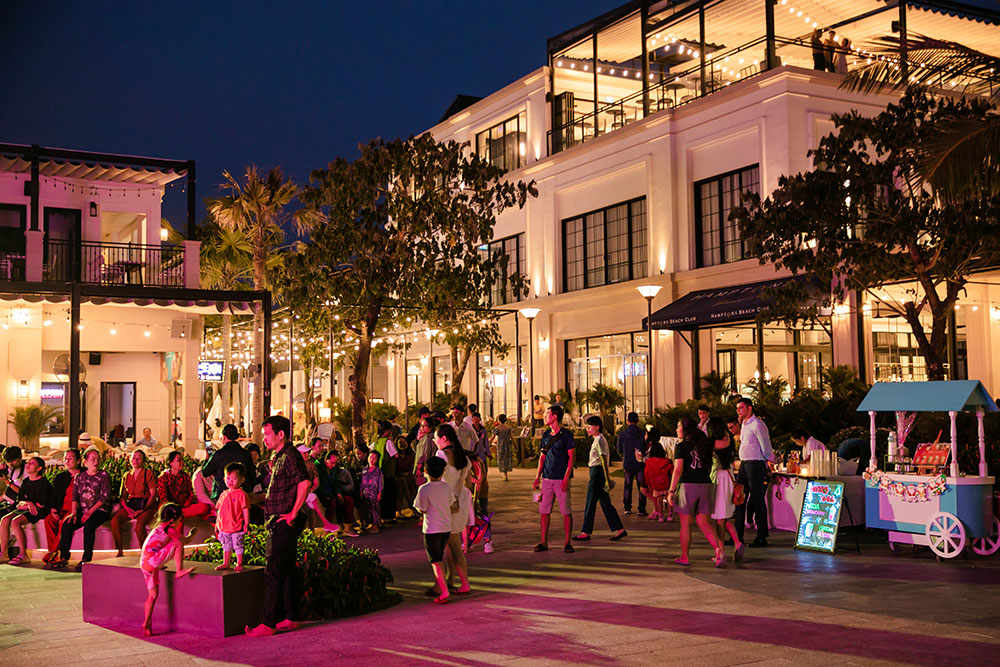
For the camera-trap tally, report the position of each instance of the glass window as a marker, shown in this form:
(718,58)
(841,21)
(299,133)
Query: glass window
(442,375)
(717,236)
(617,360)
(512,248)
(56,395)
(503,145)
(606,246)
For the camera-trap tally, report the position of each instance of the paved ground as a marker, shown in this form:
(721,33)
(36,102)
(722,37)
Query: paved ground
(607,604)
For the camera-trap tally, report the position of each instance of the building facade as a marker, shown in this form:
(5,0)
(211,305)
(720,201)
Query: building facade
(640,133)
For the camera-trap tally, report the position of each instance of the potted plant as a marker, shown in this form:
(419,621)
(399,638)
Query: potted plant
(29,423)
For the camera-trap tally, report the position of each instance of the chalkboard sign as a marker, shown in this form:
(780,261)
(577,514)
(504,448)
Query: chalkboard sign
(820,516)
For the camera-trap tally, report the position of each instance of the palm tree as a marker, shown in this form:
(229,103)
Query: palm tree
(226,265)
(963,156)
(256,207)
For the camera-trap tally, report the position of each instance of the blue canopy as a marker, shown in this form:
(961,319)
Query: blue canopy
(955,395)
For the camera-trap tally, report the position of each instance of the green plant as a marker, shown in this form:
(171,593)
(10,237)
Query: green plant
(29,423)
(443,401)
(714,388)
(386,411)
(337,580)
(341,414)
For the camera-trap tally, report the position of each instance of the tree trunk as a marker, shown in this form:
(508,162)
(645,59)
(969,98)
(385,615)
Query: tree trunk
(358,383)
(933,350)
(459,364)
(227,355)
(259,283)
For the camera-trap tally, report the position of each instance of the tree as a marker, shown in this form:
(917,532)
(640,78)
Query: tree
(401,244)
(865,217)
(257,207)
(959,157)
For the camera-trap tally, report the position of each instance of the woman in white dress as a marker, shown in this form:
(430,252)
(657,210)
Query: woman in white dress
(724,484)
(455,474)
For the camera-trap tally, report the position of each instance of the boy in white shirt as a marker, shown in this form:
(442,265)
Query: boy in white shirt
(436,503)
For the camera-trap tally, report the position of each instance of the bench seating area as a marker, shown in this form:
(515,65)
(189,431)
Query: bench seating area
(206,602)
(104,544)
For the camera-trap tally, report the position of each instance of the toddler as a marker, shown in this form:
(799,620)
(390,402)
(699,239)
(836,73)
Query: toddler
(232,516)
(165,539)
(371,490)
(436,503)
(658,471)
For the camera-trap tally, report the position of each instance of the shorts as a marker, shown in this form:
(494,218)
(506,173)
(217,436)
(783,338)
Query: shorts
(551,490)
(152,578)
(30,518)
(434,544)
(232,542)
(694,499)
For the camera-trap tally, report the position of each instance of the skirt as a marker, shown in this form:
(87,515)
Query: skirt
(465,516)
(724,507)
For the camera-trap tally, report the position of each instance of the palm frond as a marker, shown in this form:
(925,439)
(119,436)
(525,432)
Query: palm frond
(932,62)
(961,158)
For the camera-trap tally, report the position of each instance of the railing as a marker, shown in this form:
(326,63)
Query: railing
(113,263)
(11,265)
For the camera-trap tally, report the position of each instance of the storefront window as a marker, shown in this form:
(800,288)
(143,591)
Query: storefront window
(442,375)
(617,360)
(498,385)
(56,395)
(796,356)
(896,355)
(414,373)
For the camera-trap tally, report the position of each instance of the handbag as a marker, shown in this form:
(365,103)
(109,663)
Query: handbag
(739,494)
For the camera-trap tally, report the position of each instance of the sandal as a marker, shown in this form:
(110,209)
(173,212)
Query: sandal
(19,559)
(540,547)
(441,600)
(681,561)
(57,564)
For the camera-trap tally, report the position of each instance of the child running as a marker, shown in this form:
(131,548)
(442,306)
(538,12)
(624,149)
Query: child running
(371,490)
(164,540)
(436,502)
(232,516)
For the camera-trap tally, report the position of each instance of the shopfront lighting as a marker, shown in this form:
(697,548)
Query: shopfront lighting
(22,389)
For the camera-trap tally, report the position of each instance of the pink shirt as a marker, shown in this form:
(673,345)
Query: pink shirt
(156,550)
(229,511)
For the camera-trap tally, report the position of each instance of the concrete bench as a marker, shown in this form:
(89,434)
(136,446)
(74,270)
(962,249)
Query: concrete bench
(206,602)
(104,542)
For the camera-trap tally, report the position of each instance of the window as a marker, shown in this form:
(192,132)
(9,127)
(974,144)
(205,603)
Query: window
(616,360)
(718,238)
(605,247)
(512,247)
(503,145)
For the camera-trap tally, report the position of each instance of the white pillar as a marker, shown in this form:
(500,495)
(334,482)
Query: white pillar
(874,461)
(954,442)
(192,264)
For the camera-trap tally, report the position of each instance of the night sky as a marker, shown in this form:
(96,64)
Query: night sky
(231,83)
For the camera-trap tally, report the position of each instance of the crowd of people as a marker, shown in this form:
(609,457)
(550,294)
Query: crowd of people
(829,51)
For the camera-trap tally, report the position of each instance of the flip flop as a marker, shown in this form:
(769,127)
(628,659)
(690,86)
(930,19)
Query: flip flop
(681,561)
(540,547)
(569,548)
(440,600)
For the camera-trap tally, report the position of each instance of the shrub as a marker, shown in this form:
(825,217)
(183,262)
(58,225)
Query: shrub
(337,580)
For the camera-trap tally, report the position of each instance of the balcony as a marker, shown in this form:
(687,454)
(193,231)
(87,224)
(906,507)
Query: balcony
(94,263)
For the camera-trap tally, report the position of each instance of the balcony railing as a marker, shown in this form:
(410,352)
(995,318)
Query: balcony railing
(113,263)
(11,265)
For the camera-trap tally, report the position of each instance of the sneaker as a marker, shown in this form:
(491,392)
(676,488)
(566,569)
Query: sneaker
(627,512)
(643,513)
(488,548)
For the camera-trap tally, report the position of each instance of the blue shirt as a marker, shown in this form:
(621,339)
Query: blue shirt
(556,449)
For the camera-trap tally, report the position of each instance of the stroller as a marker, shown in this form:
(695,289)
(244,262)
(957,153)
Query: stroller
(481,528)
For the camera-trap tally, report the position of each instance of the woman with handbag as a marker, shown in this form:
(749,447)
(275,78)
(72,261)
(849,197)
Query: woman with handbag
(725,485)
(691,488)
(599,485)
(137,501)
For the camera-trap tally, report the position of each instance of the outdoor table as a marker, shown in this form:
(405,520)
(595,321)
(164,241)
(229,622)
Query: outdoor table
(784,512)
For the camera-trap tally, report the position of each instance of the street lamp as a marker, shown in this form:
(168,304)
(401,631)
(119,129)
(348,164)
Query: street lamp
(649,293)
(530,314)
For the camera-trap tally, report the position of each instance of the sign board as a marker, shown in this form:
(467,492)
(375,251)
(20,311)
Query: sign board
(930,454)
(820,516)
(210,370)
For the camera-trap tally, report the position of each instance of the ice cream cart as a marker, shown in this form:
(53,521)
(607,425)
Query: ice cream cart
(942,509)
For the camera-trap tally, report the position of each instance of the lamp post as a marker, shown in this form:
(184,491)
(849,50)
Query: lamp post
(649,293)
(530,314)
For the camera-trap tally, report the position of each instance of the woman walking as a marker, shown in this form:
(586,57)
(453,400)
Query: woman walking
(456,473)
(505,446)
(597,487)
(725,481)
(691,487)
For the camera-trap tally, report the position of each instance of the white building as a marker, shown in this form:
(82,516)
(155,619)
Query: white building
(640,131)
(95,303)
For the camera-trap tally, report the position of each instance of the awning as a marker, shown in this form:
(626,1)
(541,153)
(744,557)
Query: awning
(716,306)
(936,396)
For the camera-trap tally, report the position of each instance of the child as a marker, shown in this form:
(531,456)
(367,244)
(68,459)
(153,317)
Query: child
(658,470)
(232,516)
(33,499)
(165,539)
(371,489)
(436,502)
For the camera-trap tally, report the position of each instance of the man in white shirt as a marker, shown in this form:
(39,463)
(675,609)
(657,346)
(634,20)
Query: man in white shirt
(755,452)
(466,435)
(808,444)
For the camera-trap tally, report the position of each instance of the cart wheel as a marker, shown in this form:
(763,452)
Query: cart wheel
(946,535)
(987,546)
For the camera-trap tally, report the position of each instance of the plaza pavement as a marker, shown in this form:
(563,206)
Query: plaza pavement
(609,603)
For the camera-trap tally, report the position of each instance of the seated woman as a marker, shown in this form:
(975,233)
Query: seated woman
(312,499)
(333,494)
(33,499)
(91,505)
(138,501)
(174,486)
(62,502)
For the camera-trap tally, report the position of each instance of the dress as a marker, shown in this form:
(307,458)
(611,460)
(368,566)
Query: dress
(505,448)
(724,482)
(371,489)
(457,482)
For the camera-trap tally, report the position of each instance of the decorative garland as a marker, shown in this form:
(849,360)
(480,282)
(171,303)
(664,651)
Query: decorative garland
(911,493)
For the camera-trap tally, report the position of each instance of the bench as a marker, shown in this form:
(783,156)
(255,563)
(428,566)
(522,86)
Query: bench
(104,542)
(206,602)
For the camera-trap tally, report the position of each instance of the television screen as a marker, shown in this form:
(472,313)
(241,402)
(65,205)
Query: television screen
(211,370)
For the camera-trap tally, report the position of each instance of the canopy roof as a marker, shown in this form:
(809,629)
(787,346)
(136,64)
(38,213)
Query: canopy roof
(938,396)
(88,166)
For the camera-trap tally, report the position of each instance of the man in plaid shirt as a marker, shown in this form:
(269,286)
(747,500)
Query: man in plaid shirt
(283,501)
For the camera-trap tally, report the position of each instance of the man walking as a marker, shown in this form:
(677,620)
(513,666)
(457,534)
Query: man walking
(555,470)
(632,441)
(755,452)
(286,494)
